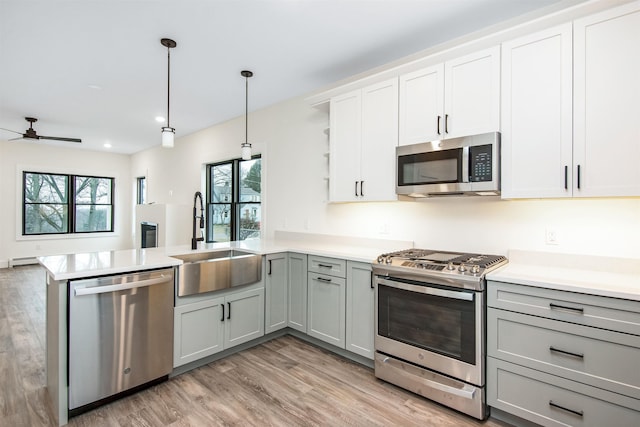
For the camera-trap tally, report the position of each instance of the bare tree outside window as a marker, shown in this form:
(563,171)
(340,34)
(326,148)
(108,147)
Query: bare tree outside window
(58,204)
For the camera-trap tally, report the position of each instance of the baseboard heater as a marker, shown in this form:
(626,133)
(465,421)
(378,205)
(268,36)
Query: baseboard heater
(22,261)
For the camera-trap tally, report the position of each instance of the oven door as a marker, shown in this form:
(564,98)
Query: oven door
(438,328)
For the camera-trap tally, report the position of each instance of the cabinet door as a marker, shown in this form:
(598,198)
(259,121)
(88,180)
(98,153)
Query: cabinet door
(537,115)
(421,105)
(276,292)
(359,312)
(244,317)
(345,118)
(379,141)
(472,94)
(198,331)
(297,281)
(607,111)
(326,308)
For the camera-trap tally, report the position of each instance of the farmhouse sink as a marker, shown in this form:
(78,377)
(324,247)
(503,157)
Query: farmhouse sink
(213,271)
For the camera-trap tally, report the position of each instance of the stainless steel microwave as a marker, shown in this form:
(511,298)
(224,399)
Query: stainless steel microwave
(466,166)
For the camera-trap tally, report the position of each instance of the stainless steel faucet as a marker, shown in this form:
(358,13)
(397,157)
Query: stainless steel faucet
(194,239)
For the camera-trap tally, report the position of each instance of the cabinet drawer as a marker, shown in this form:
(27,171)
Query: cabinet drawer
(590,310)
(331,266)
(592,356)
(552,401)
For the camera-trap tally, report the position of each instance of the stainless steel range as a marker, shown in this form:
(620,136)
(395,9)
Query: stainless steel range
(430,324)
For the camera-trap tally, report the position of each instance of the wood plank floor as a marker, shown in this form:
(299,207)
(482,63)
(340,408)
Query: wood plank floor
(284,382)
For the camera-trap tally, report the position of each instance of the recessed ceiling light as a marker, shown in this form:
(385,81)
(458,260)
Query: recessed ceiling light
(160,119)
(107,145)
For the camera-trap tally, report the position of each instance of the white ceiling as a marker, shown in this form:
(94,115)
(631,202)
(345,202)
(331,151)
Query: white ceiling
(96,69)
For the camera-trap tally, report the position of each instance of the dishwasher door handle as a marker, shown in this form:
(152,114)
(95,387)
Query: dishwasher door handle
(120,287)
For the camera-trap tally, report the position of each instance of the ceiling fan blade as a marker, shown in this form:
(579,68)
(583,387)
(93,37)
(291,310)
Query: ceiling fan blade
(9,130)
(55,138)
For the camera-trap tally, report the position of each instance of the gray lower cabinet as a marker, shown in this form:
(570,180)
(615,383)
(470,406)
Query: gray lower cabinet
(276,292)
(360,309)
(326,294)
(206,327)
(561,358)
(297,292)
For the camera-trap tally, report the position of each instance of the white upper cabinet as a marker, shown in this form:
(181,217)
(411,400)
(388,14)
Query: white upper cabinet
(363,138)
(537,115)
(460,97)
(607,103)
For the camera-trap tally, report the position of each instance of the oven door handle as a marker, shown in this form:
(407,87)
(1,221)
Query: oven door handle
(466,296)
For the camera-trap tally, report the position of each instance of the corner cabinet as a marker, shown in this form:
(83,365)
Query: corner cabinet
(363,138)
(563,358)
(360,309)
(209,326)
(456,98)
(297,292)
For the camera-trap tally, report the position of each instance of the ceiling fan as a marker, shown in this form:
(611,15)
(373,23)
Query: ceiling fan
(31,133)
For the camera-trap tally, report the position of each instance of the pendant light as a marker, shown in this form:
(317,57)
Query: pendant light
(168,133)
(246,147)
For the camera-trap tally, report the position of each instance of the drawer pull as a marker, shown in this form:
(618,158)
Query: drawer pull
(325,266)
(322,279)
(568,353)
(553,306)
(573,411)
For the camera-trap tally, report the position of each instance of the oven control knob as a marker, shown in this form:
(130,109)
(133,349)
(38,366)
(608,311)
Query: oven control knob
(388,260)
(462,268)
(451,267)
(475,269)
(380,259)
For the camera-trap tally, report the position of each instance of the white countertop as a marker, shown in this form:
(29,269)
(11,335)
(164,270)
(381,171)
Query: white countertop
(81,265)
(587,274)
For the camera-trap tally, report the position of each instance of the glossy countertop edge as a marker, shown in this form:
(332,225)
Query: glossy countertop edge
(89,264)
(587,274)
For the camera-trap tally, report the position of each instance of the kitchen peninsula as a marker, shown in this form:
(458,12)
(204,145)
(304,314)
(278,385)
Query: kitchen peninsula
(62,270)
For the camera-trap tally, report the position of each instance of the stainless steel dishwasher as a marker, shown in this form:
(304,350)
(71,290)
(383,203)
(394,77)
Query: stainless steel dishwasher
(120,335)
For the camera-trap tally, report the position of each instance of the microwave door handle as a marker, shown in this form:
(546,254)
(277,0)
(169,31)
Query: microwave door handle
(465,164)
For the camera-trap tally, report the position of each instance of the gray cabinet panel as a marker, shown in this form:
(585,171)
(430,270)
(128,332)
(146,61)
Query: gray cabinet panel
(598,357)
(326,308)
(276,292)
(600,312)
(331,266)
(297,292)
(360,309)
(198,331)
(554,401)
(244,318)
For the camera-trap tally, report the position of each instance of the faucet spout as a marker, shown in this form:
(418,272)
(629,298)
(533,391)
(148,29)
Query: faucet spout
(194,239)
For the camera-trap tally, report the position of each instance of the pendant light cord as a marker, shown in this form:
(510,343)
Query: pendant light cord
(168,83)
(246,110)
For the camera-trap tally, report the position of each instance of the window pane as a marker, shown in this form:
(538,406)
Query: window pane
(250,173)
(93,218)
(249,221)
(221,222)
(90,190)
(142,190)
(45,188)
(221,183)
(45,218)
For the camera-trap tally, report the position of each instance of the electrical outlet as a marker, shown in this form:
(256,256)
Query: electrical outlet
(551,237)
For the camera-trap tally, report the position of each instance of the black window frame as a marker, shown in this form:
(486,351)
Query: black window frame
(71,203)
(235,198)
(141,187)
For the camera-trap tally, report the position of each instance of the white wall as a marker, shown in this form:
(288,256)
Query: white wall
(291,139)
(18,156)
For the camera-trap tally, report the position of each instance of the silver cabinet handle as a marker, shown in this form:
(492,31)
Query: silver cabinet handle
(119,287)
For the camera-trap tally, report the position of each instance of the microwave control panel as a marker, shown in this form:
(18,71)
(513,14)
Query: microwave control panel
(480,163)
